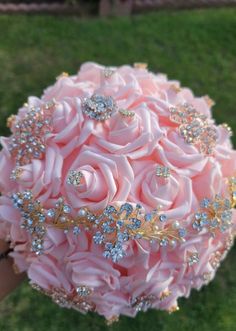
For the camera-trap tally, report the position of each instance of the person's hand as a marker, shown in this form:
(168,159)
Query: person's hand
(9,280)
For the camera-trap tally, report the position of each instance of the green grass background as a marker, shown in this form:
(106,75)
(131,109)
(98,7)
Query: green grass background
(196,47)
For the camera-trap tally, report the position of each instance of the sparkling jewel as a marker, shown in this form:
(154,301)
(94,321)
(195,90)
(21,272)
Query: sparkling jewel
(143,302)
(28,139)
(227,128)
(66,209)
(214,215)
(194,127)
(108,72)
(126,207)
(75,300)
(32,219)
(216,259)
(206,276)
(119,224)
(162,171)
(83,291)
(148,217)
(51,213)
(182,232)
(76,230)
(99,107)
(193,258)
(74,178)
(98,238)
(162,218)
(126,113)
(16,173)
(111,228)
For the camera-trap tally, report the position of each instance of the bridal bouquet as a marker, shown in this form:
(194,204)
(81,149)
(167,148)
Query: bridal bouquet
(117,191)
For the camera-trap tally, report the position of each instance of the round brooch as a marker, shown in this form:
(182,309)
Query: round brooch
(99,107)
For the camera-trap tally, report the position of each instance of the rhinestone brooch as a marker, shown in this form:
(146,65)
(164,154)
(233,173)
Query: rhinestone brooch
(99,107)
(194,127)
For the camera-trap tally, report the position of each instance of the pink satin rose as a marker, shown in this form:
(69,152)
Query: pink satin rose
(106,178)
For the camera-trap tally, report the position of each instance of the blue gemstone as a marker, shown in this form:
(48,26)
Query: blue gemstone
(148,217)
(204,222)
(107,254)
(122,236)
(107,228)
(51,213)
(30,207)
(162,218)
(98,238)
(14,197)
(27,195)
(197,226)
(198,216)
(108,246)
(30,221)
(66,209)
(120,223)
(126,207)
(182,232)
(109,210)
(164,242)
(215,223)
(223,228)
(117,253)
(76,230)
(136,223)
(36,154)
(42,218)
(227,204)
(205,203)
(18,203)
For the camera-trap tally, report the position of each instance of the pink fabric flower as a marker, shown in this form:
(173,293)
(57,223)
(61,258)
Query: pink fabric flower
(117,161)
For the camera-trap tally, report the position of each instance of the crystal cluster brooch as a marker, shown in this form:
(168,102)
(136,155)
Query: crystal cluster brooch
(99,107)
(194,127)
(28,139)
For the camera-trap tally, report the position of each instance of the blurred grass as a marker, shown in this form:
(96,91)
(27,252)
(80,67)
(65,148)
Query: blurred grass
(196,47)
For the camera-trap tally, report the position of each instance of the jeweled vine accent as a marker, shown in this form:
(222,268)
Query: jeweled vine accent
(214,215)
(111,228)
(116,225)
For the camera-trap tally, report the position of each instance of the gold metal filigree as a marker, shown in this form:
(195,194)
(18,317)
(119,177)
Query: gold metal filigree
(126,113)
(140,65)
